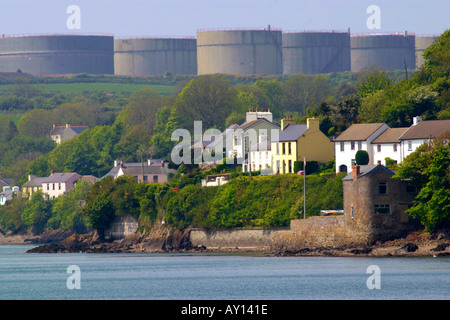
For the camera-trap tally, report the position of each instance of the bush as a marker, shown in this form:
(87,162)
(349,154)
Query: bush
(362,157)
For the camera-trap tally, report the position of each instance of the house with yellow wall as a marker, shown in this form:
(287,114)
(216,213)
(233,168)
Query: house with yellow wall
(298,141)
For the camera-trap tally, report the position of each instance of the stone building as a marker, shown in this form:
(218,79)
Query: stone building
(375,203)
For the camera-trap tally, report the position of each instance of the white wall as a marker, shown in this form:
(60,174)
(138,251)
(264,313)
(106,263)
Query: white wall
(387,150)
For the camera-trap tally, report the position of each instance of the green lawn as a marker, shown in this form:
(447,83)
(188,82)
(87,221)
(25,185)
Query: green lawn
(80,88)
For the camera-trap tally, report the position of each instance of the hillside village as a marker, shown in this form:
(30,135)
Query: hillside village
(332,173)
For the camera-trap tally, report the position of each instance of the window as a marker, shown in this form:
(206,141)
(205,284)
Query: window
(155,179)
(409,145)
(290,166)
(145,178)
(283,148)
(278,149)
(289,147)
(237,140)
(352,145)
(59,186)
(395,147)
(410,188)
(382,188)
(48,186)
(379,147)
(382,209)
(359,145)
(53,186)
(342,145)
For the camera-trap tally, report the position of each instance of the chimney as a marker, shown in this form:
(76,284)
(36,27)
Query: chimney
(162,163)
(121,164)
(356,171)
(116,163)
(416,120)
(52,171)
(286,121)
(312,124)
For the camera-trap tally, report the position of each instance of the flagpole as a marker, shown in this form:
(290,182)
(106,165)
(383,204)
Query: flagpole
(304,190)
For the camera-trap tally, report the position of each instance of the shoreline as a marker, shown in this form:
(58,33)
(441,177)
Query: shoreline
(417,244)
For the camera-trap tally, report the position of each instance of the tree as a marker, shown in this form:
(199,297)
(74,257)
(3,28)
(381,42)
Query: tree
(36,123)
(362,157)
(36,213)
(209,99)
(428,167)
(305,91)
(371,81)
(437,56)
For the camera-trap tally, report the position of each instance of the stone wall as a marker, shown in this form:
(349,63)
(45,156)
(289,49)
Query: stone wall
(324,231)
(240,238)
(121,227)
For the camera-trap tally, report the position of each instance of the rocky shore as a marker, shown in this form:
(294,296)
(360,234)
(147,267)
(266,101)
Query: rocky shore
(416,244)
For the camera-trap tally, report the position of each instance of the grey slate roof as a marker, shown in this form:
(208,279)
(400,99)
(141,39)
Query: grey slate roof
(292,132)
(61,177)
(364,170)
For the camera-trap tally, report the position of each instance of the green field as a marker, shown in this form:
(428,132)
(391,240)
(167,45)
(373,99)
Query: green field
(82,88)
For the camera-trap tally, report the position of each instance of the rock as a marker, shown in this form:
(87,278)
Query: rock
(440,247)
(361,251)
(409,247)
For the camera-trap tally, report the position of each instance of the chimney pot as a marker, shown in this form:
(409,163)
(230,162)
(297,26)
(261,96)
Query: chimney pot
(356,171)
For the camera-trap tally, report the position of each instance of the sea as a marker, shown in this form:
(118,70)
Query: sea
(202,276)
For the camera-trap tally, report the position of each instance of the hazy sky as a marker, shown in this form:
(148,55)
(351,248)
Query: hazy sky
(123,18)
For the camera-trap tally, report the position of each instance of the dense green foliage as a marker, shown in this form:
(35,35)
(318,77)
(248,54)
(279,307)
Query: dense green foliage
(428,167)
(265,201)
(362,157)
(37,214)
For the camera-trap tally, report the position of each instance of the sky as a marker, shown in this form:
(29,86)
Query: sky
(179,18)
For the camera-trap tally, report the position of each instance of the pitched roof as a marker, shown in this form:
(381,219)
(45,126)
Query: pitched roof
(391,135)
(426,130)
(359,132)
(60,129)
(250,124)
(61,177)
(364,170)
(137,170)
(34,182)
(292,132)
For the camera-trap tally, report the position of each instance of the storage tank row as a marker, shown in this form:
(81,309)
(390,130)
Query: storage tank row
(240,52)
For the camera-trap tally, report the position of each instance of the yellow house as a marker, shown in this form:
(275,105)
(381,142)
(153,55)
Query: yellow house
(297,141)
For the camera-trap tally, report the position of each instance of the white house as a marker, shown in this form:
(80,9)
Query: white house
(261,156)
(387,145)
(356,137)
(7,194)
(58,184)
(421,132)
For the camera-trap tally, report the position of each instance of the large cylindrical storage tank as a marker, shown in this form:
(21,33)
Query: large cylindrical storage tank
(57,54)
(155,56)
(421,44)
(316,52)
(240,52)
(388,51)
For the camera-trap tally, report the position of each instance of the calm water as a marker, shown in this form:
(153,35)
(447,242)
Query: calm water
(217,277)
